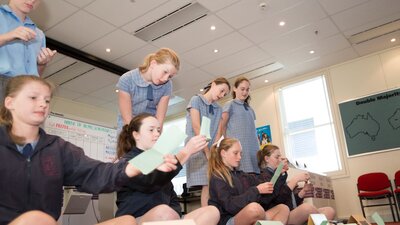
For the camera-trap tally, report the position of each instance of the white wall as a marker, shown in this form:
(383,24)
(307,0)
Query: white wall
(356,78)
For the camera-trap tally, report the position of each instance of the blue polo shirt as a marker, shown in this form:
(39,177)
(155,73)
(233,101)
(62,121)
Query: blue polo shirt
(19,57)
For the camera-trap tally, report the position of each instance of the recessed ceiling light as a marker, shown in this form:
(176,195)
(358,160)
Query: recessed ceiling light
(108,49)
(201,89)
(213,27)
(117,90)
(312,52)
(266,81)
(215,50)
(393,40)
(282,23)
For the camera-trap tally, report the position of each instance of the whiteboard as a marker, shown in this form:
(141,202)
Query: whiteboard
(98,142)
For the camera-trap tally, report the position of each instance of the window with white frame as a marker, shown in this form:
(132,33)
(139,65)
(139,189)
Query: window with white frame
(308,128)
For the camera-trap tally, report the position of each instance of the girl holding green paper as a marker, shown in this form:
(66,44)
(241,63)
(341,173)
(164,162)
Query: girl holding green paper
(239,196)
(152,197)
(269,159)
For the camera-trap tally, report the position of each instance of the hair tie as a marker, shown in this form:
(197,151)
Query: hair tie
(208,86)
(219,141)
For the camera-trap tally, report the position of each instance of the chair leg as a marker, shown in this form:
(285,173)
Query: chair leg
(398,206)
(362,207)
(391,207)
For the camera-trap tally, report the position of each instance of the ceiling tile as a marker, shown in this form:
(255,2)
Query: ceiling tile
(233,64)
(295,18)
(68,94)
(52,12)
(154,14)
(199,33)
(300,37)
(365,13)
(120,43)
(226,46)
(79,3)
(79,30)
(252,11)
(216,5)
(122,12)
(380,43)
(106,93)
(91,81)
(67,70)
(135,58)
(87,99)
(333,7)
(321,48)
(190,78)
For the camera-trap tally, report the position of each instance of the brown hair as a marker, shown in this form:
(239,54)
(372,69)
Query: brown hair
(125,138)
(216,166)
(267,150)
(163,55)
(217,81)
(238,81)
(12,89)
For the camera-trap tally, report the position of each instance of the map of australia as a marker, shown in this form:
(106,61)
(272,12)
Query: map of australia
(394,120)
(365,125)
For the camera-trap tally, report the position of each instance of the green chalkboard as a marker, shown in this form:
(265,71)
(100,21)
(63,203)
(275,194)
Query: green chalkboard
(372,123)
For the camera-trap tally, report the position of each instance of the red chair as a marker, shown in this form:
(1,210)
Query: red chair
(373,186)
(397,191)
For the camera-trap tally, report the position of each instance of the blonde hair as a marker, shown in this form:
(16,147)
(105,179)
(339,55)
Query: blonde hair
(163,55)
(14,86)
(216,167)
(266,150)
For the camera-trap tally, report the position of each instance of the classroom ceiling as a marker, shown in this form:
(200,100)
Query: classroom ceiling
(248,38)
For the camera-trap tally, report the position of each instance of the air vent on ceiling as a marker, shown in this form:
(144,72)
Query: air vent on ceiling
(375,32)
(263,70)
(171,22)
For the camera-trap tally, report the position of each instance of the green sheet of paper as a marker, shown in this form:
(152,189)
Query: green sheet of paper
(378,219)
(266,222)
(205,127)
(169,140)
(317,219)
(277,173)
(150,159)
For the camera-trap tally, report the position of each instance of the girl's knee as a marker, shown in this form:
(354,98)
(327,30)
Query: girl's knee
(308,208)
(164,212)
(255,210)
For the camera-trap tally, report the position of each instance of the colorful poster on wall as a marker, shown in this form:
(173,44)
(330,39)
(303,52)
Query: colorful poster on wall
(264,135)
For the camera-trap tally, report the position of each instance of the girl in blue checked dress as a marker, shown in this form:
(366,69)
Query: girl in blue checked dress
(204,105)
(147,88)
(238,121)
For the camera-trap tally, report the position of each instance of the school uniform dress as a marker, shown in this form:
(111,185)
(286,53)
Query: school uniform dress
(144,96)
(197,165)
(230,200)
(241,125)
(284,194)
(37,183)
(18,56)
(144,192)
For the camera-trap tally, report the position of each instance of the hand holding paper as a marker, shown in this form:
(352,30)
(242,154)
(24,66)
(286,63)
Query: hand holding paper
(205,127)
(277,173)
(150,159)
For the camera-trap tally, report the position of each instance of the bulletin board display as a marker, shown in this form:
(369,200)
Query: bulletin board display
(372,124)
(98,142)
